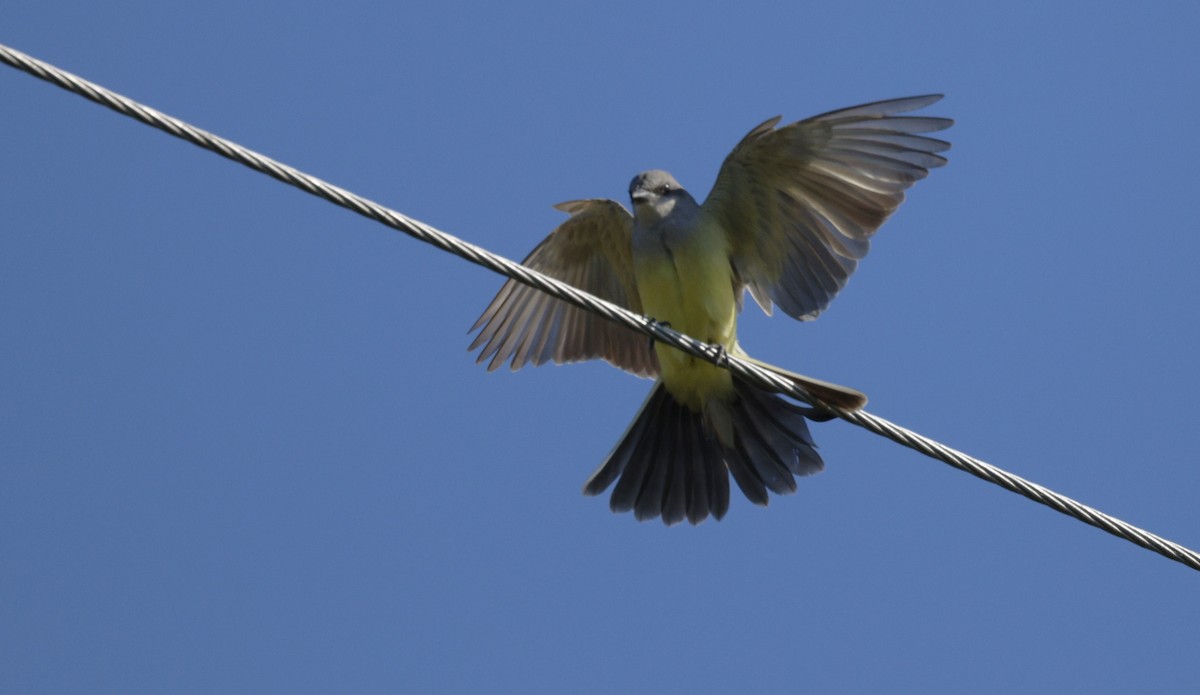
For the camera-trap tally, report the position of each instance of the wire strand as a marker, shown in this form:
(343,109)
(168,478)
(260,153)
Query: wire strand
(565,292)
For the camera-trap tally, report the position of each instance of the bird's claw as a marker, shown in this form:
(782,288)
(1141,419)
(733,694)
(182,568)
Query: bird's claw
(661,324)
(722,356)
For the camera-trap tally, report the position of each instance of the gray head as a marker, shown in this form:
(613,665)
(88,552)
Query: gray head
(655,194)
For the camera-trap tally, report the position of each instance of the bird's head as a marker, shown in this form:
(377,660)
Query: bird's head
(656,194)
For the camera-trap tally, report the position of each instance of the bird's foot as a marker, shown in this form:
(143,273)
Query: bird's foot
(722,356)
(656,322)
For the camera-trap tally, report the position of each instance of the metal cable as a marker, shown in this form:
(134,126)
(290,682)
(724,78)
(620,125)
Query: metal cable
(555,288)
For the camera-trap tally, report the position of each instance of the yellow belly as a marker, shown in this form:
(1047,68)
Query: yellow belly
(692,289)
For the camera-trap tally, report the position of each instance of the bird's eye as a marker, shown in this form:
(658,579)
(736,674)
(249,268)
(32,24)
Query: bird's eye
(663,189)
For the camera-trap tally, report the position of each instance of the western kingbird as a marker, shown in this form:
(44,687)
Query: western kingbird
(789,217)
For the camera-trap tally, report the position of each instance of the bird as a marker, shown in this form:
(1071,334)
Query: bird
(789,217)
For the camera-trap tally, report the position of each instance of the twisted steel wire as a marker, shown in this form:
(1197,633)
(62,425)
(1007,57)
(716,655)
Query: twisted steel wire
(612,312)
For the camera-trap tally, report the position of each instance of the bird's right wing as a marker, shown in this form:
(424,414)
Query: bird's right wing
(592,252)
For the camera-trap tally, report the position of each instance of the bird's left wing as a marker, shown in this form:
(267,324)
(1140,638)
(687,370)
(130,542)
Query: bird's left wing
(590,251)
(799,203)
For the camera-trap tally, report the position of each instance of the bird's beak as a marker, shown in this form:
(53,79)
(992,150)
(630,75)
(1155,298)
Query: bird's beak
(640,196)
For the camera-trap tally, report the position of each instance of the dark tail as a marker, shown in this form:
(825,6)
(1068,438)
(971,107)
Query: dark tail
(671,463)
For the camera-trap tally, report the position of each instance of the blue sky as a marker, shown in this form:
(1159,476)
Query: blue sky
(243,447)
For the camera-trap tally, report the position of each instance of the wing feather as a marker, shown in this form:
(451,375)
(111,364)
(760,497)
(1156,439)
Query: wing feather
(799,203)
(590,251)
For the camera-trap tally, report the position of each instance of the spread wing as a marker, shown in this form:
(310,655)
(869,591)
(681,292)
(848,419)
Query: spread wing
(800,203)
(590,251)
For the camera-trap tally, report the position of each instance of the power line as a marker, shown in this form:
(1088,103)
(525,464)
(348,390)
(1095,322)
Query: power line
(555,288)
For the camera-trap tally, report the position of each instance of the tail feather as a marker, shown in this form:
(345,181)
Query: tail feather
(617,461)
(765,461)
(650,498)
(670,463)
(747,479)
(640,460)
(716,479)
(787,426)
(680,479)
